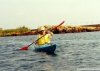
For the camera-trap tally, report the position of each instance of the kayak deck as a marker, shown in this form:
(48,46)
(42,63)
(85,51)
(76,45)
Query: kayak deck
(47,49)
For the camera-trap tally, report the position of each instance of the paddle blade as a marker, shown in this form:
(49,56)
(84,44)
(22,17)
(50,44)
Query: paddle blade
(24,48)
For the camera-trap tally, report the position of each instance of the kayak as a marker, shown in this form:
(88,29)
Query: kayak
(47,48)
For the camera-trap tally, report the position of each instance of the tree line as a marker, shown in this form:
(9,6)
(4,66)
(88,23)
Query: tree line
(14,32)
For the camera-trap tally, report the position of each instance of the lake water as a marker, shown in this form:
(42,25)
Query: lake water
(75,52)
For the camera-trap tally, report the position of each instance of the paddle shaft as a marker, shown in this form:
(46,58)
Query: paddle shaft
(60,24)
(36,40)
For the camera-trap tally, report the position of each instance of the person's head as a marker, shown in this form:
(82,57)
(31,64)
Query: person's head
(42,30)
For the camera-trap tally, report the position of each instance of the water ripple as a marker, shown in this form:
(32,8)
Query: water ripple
(78,50)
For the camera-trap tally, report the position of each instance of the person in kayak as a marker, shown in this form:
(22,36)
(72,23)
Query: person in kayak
(45,36)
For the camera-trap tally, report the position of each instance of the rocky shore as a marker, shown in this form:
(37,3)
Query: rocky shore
(61,29)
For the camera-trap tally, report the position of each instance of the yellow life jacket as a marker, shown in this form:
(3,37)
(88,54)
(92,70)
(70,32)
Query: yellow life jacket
(45,39)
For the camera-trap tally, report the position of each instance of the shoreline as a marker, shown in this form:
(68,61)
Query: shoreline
(24,31)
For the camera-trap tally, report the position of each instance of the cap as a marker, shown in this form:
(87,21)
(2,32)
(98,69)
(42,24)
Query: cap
(41,28)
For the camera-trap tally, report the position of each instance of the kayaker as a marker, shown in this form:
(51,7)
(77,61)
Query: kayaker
(46,36)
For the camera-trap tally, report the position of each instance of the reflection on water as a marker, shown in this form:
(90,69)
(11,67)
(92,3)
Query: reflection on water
(74,51)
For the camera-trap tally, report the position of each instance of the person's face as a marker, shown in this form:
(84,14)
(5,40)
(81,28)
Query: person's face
(43,32)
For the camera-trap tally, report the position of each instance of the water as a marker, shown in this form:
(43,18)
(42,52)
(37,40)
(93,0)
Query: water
(75,51)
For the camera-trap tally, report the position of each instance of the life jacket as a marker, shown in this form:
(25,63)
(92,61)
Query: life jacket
(45,39)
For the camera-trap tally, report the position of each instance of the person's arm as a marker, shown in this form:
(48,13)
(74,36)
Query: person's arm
(51,33)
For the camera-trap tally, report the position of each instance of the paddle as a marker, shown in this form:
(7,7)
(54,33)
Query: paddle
(26,47)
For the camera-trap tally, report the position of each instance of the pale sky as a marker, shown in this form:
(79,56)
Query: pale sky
(35,13)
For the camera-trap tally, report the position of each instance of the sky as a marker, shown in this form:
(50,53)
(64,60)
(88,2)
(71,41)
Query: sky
(35,13)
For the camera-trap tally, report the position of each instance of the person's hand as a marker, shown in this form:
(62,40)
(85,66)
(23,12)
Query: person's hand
(36,42)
